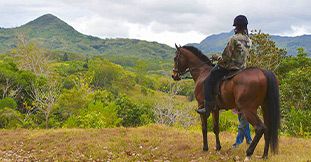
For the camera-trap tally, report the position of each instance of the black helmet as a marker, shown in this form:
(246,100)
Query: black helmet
(240,20)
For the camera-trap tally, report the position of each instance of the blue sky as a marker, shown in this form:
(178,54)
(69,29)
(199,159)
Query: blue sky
(180,21)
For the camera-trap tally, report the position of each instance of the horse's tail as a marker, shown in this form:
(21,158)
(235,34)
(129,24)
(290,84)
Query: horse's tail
(272,110)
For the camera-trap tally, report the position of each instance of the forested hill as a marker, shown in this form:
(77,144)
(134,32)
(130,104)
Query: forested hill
(54,34)
(216,43)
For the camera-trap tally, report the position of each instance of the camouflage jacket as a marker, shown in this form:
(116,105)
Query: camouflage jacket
(236,52)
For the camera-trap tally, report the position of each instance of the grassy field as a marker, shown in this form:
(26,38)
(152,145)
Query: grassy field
(148,143)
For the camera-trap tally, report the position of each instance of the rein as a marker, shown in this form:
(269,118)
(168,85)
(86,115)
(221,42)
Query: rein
(188,69)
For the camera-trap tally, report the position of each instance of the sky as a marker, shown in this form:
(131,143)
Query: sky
(163,21)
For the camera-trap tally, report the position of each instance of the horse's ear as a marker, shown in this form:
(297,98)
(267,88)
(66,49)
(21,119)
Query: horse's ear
(179,46)
(176,46)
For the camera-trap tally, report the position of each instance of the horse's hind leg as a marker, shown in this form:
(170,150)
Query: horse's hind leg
(204,131)
(253,118)
(216,128)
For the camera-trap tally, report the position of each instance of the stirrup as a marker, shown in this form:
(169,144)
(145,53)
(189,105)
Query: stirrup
(201,110)
(204,109)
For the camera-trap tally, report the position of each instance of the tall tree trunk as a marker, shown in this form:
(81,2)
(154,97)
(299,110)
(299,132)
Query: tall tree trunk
(46,121)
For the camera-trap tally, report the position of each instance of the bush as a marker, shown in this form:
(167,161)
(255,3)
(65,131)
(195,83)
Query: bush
(297,122)
(72,101)
(296,89)
(133,114)
(8,102)
(95,116)
(10,118)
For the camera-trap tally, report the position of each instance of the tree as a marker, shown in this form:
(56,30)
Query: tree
(65,57)
(30,57)
(45,97)
(8,78)
(10,118)
(264,52)
(8,102)
(170,113)
(291,63)
(131,113)
(95,115)
(74,99)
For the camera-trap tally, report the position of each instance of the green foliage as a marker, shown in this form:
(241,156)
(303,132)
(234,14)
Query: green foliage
(8,102)
(228,121)
(91,84)
(133,114)
(184,87)
(296,89)
(291,63)
(110,76)
(71,101)
(264,52)
(297,122)
(70,67)
(8,78)
(10,118)
(96,115)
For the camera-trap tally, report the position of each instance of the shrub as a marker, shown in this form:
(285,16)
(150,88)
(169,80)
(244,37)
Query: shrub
(72,101)
(296,89)
(8,102)
(297,122)
(133,114)
(95,116)
(10,118)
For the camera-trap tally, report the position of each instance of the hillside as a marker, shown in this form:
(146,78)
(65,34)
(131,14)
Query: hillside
(54,34)
(149,143)
(215,43)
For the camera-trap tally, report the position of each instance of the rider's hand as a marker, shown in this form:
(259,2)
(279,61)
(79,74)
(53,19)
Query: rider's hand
(216,57)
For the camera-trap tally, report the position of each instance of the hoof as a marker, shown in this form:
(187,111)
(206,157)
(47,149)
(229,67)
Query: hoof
(205,148)
(218,148)
(247,158)
(264,157)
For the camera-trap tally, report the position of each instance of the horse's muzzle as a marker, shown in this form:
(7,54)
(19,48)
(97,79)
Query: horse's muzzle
(176,76)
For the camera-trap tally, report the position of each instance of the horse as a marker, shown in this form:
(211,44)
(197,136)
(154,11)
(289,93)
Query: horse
(246,92)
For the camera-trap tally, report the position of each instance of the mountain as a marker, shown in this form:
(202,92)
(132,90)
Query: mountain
(215,43)
(54,34)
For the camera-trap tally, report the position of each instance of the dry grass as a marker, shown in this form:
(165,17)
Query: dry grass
(149,143)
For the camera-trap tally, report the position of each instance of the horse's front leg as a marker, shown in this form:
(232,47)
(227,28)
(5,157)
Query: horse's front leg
(216,128)
(204,131)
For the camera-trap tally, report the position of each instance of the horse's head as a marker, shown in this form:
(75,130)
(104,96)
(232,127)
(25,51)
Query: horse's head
(180,64)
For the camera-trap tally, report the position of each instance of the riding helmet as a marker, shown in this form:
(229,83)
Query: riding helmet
(240,20)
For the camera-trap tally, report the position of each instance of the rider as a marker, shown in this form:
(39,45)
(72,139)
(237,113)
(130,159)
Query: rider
(233,58)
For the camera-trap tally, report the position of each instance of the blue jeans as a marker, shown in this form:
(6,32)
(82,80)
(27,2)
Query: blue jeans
(243,130)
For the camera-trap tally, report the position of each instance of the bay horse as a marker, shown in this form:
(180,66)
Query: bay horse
(247,91)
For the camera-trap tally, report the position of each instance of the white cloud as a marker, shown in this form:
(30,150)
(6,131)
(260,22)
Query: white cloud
(297,31)
(180,21)
(167,37)
(100,26)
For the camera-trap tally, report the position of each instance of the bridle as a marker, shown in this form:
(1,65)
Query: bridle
(176,69)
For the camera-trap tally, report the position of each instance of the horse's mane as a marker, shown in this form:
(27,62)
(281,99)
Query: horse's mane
(199,54)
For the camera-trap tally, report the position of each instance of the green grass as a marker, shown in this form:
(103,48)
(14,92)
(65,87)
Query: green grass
(148,143)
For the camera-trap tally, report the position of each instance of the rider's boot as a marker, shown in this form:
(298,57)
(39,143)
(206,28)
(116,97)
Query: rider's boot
(208,107)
